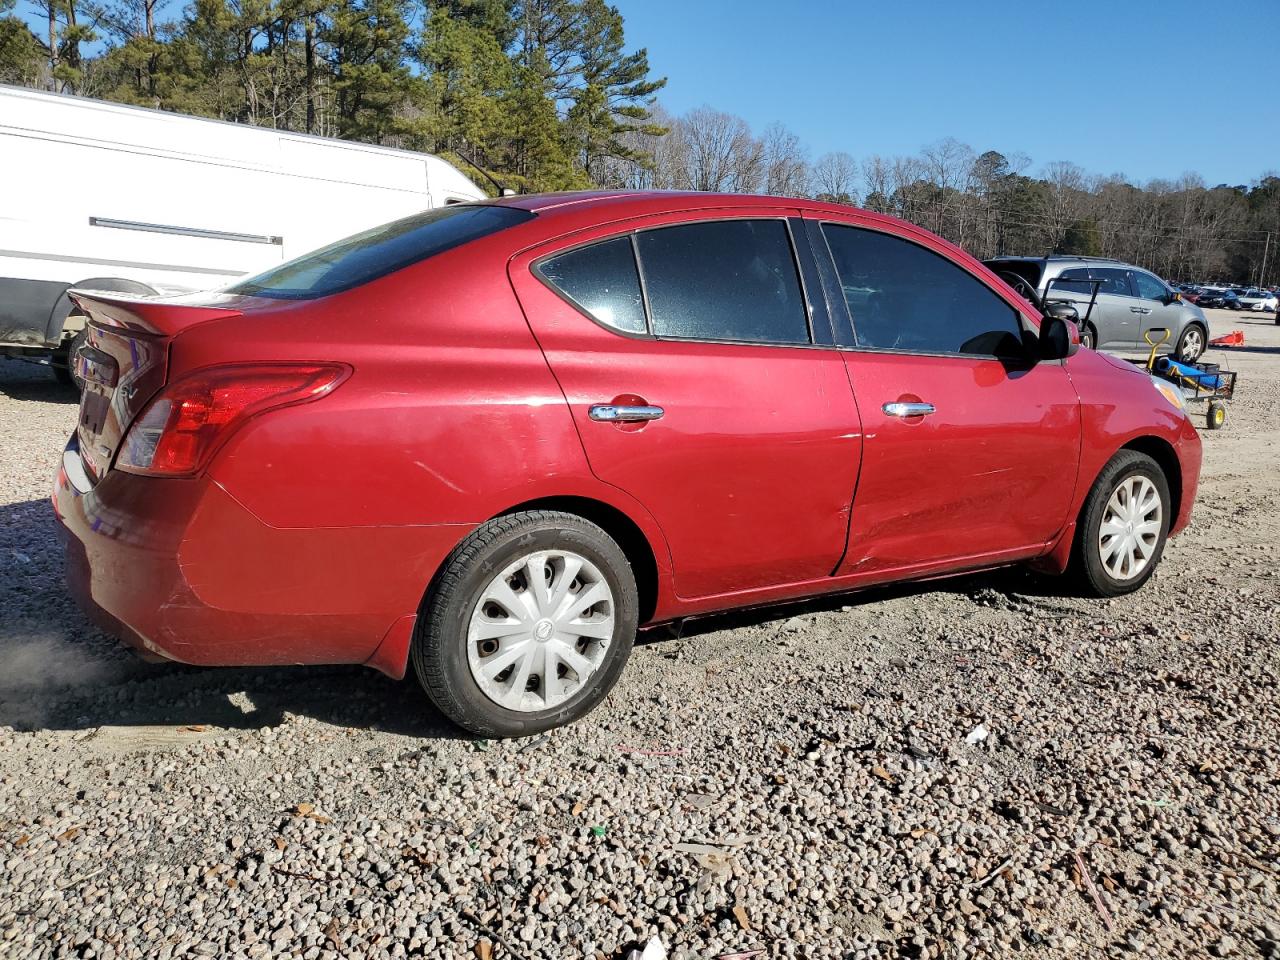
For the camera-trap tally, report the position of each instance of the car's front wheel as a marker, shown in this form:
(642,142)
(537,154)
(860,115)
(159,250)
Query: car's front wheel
(1191,344)
(1123,526)
(1088,337)
(528,625)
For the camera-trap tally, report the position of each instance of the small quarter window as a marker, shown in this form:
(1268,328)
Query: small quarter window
(724,280)
(905,297)
(602,280)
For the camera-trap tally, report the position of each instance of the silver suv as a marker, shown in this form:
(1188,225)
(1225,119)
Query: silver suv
(1131,301)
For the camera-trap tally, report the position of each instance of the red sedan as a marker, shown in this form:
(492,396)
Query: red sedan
(494,439)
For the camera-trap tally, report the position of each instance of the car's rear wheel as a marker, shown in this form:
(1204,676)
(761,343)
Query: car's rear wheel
(528,625)
(1191,344)
(64,361)
(1123,526)
(1088,337)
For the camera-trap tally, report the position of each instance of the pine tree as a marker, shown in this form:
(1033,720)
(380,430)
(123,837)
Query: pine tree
(366,45)
(615,96)
(22,56)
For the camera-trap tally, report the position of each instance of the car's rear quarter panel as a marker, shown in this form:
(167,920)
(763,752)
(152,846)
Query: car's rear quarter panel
(348,506)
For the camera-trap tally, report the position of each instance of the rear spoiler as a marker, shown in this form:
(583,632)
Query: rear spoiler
(153,316)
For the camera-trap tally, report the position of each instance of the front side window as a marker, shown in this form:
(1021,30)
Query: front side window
(382,250)
(602,280)
(1149,288)
(1114,281)
(724,280)
(904,297)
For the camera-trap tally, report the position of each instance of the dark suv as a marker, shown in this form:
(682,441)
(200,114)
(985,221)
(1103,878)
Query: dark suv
(1131,301)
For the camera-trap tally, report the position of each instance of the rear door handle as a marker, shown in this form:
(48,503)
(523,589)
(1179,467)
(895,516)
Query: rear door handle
(908,409)
(611,413)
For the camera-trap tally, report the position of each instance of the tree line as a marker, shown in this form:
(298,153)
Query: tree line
(545,95)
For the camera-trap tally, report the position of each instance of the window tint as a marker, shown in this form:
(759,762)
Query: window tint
(602,280)
(724,280)
(904,297)
(1064,282)
(1149,287)
(1114,280)
(382,250)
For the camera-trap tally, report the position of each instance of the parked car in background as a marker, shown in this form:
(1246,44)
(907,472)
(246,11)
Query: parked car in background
(1211,297)
(492,439)
(1231,300)
(1130,301)
(149,202)
(1255,299)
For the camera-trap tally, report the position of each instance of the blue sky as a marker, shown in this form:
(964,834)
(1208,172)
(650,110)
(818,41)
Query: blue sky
(1139,87)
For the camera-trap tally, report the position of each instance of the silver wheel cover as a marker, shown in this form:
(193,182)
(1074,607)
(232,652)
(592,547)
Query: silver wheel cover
(540,629)
(1192,344)
(1130,528)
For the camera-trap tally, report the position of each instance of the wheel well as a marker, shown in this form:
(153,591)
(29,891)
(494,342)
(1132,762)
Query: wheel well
(1162,453)
(623,530)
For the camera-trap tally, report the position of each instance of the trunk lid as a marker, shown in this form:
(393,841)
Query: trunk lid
(123,364)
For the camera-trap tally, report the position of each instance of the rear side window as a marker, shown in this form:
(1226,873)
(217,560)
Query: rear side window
(602,280)
(1069,280)
(380,251)
(905,297)
(724,280)
(1114,281)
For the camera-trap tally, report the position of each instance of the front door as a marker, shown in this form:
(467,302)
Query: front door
(971,446)
(702,394)
(1160,310)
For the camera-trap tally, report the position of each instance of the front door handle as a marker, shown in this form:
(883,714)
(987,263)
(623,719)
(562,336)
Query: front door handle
(908,409)
(612,413)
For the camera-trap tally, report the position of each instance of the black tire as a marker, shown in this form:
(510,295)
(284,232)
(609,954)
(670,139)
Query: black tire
(1188,353)
(1216,417)
(1088,337)
(63,368)
(439,651)
(1087,567)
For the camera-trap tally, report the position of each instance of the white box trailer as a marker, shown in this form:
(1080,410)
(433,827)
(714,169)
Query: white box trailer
(112,197)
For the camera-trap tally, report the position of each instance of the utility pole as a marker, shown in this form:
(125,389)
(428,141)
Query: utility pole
(1262,274)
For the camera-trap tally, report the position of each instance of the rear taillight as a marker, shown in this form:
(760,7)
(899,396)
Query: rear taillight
(180,429)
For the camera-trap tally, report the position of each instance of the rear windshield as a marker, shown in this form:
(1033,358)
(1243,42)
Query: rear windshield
(380,251)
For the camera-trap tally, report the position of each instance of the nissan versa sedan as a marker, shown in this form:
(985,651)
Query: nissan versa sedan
(492,440)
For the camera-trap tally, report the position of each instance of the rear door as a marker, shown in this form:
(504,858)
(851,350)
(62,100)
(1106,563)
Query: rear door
(971,446)
(705,394)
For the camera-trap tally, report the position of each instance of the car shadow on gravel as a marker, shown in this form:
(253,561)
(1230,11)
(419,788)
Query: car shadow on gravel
(127,696)
(23,380)
(1015,588)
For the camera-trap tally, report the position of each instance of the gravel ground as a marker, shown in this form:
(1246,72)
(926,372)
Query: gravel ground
(799,782)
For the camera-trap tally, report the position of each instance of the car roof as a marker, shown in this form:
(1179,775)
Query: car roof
(620,204)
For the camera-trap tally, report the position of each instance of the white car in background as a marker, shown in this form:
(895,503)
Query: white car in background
(1258,300)
(136,201)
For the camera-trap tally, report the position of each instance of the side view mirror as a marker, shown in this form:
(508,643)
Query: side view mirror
(1059,337)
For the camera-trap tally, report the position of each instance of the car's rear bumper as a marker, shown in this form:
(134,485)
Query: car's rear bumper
(180,570)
